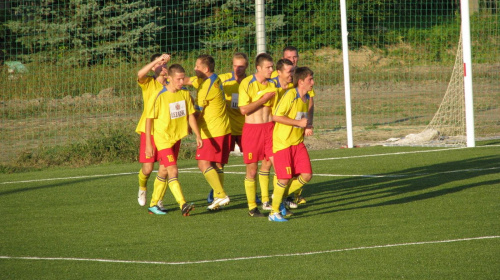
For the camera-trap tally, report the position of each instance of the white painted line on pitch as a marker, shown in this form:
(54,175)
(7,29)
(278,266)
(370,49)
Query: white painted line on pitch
(255,257)
(67,178)
(386,154)
(187,169)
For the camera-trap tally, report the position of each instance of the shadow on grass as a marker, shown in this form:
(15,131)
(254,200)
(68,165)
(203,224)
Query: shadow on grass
(53,185)
(410,185)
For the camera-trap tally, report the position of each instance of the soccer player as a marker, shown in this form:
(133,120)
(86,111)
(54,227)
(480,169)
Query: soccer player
(291,159)
(168,115)
(256,98)
(230,84)
(283,80)
(213,122)
(292,53)
(151,86)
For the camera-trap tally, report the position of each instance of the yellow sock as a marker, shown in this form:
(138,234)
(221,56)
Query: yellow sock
(220,172)
(162,195)
(175,188)
(251,190)
(214,182)
(159,187)
(278,191)
(264,185)
(143,180)
(297,193)
(297,184)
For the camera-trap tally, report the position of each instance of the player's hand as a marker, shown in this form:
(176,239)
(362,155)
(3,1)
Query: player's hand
(199,142)
(164,58)
(149,151)
(308,131)
(302,123)
(268,95)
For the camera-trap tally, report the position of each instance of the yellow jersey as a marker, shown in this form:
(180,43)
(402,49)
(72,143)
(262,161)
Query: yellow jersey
(170,111)
(251,90)
(280,90)
(230,87)
(213,120)
(291,106)
(274,76)
(150,88)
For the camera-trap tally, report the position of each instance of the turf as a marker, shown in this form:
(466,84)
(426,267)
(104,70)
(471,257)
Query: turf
(406,199)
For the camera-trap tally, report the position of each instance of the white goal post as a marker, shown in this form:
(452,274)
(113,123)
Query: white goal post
(465,90)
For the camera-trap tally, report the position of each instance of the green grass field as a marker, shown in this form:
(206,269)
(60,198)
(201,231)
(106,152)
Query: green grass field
(371,213)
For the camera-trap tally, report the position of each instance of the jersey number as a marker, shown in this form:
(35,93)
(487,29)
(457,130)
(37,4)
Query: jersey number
(170,158)
(288,170)
(249,155)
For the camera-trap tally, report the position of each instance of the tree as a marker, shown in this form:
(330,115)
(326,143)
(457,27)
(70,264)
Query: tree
(85,32)
(230,24)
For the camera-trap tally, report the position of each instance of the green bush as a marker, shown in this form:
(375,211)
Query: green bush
(107,145)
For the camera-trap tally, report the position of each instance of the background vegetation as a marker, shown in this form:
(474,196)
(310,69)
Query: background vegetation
(83,57)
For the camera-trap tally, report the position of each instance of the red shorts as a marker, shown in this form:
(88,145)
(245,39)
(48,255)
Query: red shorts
(215,149)
(168,156)
(236,139)
(257,141)
(292,161)
(142,150)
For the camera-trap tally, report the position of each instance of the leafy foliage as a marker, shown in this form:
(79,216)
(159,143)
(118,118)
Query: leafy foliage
(85,32)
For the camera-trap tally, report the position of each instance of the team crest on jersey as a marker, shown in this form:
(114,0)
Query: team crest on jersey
(177,109)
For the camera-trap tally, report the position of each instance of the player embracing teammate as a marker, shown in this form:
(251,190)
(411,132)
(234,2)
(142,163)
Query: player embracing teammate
(276,115)
(291,159)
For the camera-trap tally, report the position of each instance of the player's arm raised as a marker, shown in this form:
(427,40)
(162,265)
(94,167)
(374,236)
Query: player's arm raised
(143,73)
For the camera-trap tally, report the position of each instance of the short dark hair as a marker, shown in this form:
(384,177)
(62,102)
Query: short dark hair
(300,74)
(155,56)
(261,58)
(240,55)
(208,61)
(175,68)
(290,48)
(282,62)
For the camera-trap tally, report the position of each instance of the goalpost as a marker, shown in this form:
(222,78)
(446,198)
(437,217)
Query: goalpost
(452,124)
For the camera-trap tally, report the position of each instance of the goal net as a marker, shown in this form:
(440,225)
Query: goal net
(447,127)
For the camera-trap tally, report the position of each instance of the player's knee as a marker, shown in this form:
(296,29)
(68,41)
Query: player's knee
(203,165)
(147,169)
(251,174)
(266,165)
(162,171)
(172,171)
(306,176)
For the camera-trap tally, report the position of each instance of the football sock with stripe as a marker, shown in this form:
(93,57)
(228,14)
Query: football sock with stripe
(213,180)
(250,190)
(175,188)
(264,185)
(220,172)
(143,180)
(297,184)
(279,190)
(160,186)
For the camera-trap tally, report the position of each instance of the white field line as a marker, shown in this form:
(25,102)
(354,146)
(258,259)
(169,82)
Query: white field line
(188,170)
(195,169)
(254,257)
